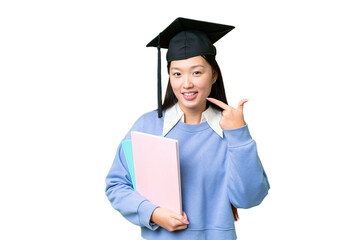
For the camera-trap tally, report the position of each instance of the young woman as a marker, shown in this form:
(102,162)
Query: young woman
(219,165)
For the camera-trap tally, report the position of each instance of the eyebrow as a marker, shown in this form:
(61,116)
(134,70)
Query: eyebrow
(192,67)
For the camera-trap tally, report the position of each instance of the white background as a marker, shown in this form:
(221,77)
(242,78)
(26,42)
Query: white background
(75,75)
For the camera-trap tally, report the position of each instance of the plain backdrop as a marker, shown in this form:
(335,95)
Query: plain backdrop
(75,75)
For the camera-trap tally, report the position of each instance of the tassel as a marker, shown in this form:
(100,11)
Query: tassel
(159,80)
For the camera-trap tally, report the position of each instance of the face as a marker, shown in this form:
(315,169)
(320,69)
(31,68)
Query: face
(191,80)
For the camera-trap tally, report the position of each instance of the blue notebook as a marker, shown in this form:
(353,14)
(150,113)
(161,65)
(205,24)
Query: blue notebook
(127,147)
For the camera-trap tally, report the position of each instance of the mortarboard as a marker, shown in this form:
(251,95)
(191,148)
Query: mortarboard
(185,38)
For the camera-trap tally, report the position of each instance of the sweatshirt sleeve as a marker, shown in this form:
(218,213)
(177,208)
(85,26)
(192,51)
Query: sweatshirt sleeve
(119,190)
(247,183)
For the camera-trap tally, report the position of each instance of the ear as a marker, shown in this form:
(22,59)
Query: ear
(214,77)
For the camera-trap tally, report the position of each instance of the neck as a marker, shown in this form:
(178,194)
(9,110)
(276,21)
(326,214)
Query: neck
(192,119)
(193,116)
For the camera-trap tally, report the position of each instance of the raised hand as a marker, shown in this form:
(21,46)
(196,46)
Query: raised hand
(231,117)
(169,220)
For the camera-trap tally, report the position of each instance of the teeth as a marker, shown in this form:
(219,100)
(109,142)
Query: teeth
(189,94)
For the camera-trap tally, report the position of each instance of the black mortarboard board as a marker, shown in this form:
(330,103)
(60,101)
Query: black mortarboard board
(186,38)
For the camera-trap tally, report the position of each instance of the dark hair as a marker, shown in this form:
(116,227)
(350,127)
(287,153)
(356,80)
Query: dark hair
(217,92)
(217,89)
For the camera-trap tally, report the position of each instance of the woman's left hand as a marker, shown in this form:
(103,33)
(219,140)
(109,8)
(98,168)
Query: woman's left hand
(231,117)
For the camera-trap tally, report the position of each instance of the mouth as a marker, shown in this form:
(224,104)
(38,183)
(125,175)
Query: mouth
(189,95)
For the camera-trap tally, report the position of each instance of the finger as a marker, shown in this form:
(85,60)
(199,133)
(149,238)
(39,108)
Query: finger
(178,223)
(241,103)
(175,225)
(182,227)
(186,218)
(219,103)
(180,218)
(185,215)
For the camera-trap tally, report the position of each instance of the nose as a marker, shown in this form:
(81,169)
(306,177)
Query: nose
(187,82)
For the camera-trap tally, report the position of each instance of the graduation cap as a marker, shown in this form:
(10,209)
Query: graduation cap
(185,38)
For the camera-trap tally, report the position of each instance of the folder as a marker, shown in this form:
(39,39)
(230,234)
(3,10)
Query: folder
(157,170)
(127,146)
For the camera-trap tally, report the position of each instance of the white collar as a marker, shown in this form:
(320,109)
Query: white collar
(174,114)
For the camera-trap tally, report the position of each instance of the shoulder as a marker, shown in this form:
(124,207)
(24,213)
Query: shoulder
(146,119)
(148,123)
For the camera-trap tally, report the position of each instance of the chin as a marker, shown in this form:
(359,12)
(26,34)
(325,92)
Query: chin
(191,106)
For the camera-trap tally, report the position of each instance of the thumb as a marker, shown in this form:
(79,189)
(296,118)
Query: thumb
(186,218)
(241,103)
(179,217)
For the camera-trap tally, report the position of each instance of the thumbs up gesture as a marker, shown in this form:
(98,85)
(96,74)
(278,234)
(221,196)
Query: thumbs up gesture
(231,117)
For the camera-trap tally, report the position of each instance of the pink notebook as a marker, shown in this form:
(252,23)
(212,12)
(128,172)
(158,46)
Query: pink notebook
(157,170)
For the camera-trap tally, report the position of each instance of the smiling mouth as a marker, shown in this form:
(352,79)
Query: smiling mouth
(189,94)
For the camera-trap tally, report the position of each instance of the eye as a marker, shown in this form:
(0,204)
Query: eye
(197,73)
(177,74)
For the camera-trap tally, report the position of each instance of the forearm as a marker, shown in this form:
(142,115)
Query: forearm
(123,198)
(246,179)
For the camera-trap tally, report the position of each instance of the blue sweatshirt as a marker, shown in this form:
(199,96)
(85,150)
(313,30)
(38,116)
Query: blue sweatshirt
(215,173)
